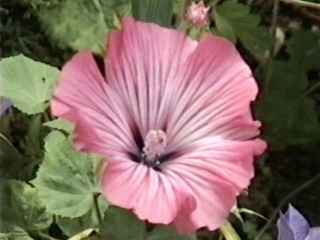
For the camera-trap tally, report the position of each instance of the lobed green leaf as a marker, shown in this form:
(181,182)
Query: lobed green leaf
(73,226)
(289,115)
(121,224)
(60,124)
(21,210)
(82,24)
(67,179)
(235,21)
(27,83)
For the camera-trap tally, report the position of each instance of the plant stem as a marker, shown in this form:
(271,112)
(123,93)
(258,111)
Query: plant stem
(269,62)
(311,89)
(46,116)
(284,201)
(96,207)
(301,3)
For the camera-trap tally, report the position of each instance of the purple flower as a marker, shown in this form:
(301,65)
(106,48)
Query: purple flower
(4,105)
(293,226)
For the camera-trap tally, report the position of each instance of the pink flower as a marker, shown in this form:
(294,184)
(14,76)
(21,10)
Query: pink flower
(171,116)
(197,14)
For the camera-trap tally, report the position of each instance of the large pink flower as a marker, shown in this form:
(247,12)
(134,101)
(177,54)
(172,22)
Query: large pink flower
(171,116)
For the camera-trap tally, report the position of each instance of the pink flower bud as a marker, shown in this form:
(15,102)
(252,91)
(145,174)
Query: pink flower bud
(197,14)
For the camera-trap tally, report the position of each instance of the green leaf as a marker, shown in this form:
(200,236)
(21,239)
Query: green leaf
(38,3)
(74,226)
(225,29)
(67,179)
(167,233)
(304,49)
(21,208)
(288,117)
(157,11)
(12,163)
(27,83)
(233,20)
(119,224)
(16,233)
(80,24)
(60,124)
(179,6)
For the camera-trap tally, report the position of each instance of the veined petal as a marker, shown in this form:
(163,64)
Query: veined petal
(214,96)
(214,174)
(143,65)
(151,195)
(83,96)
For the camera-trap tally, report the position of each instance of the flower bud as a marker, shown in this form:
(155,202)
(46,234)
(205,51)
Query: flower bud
(197,14)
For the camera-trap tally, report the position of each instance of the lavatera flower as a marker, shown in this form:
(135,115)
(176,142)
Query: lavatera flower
(172,118)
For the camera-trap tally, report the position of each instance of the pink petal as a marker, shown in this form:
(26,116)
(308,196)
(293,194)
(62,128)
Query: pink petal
(150,194)
(214,96)
(84,98)
(143,63)
(214,174)
(183,222)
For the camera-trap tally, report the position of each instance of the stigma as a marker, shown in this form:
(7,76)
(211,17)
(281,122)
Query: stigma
(154,146)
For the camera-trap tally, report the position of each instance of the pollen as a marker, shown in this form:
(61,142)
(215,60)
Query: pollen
(154,145)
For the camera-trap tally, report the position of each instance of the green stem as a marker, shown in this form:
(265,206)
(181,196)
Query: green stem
(311,89)
(301,3)
(221,236)
(46,116)
(269,62)
(96,207)
(285,201)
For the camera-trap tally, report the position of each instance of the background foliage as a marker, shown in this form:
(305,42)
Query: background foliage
(281,43)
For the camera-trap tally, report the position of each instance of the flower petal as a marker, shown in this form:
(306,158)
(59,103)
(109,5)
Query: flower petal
(150,194)
(314,234)
(83,96)
(214,96)
(143,63)
(298,224)
(284,230)
(183,221)
(214,174)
